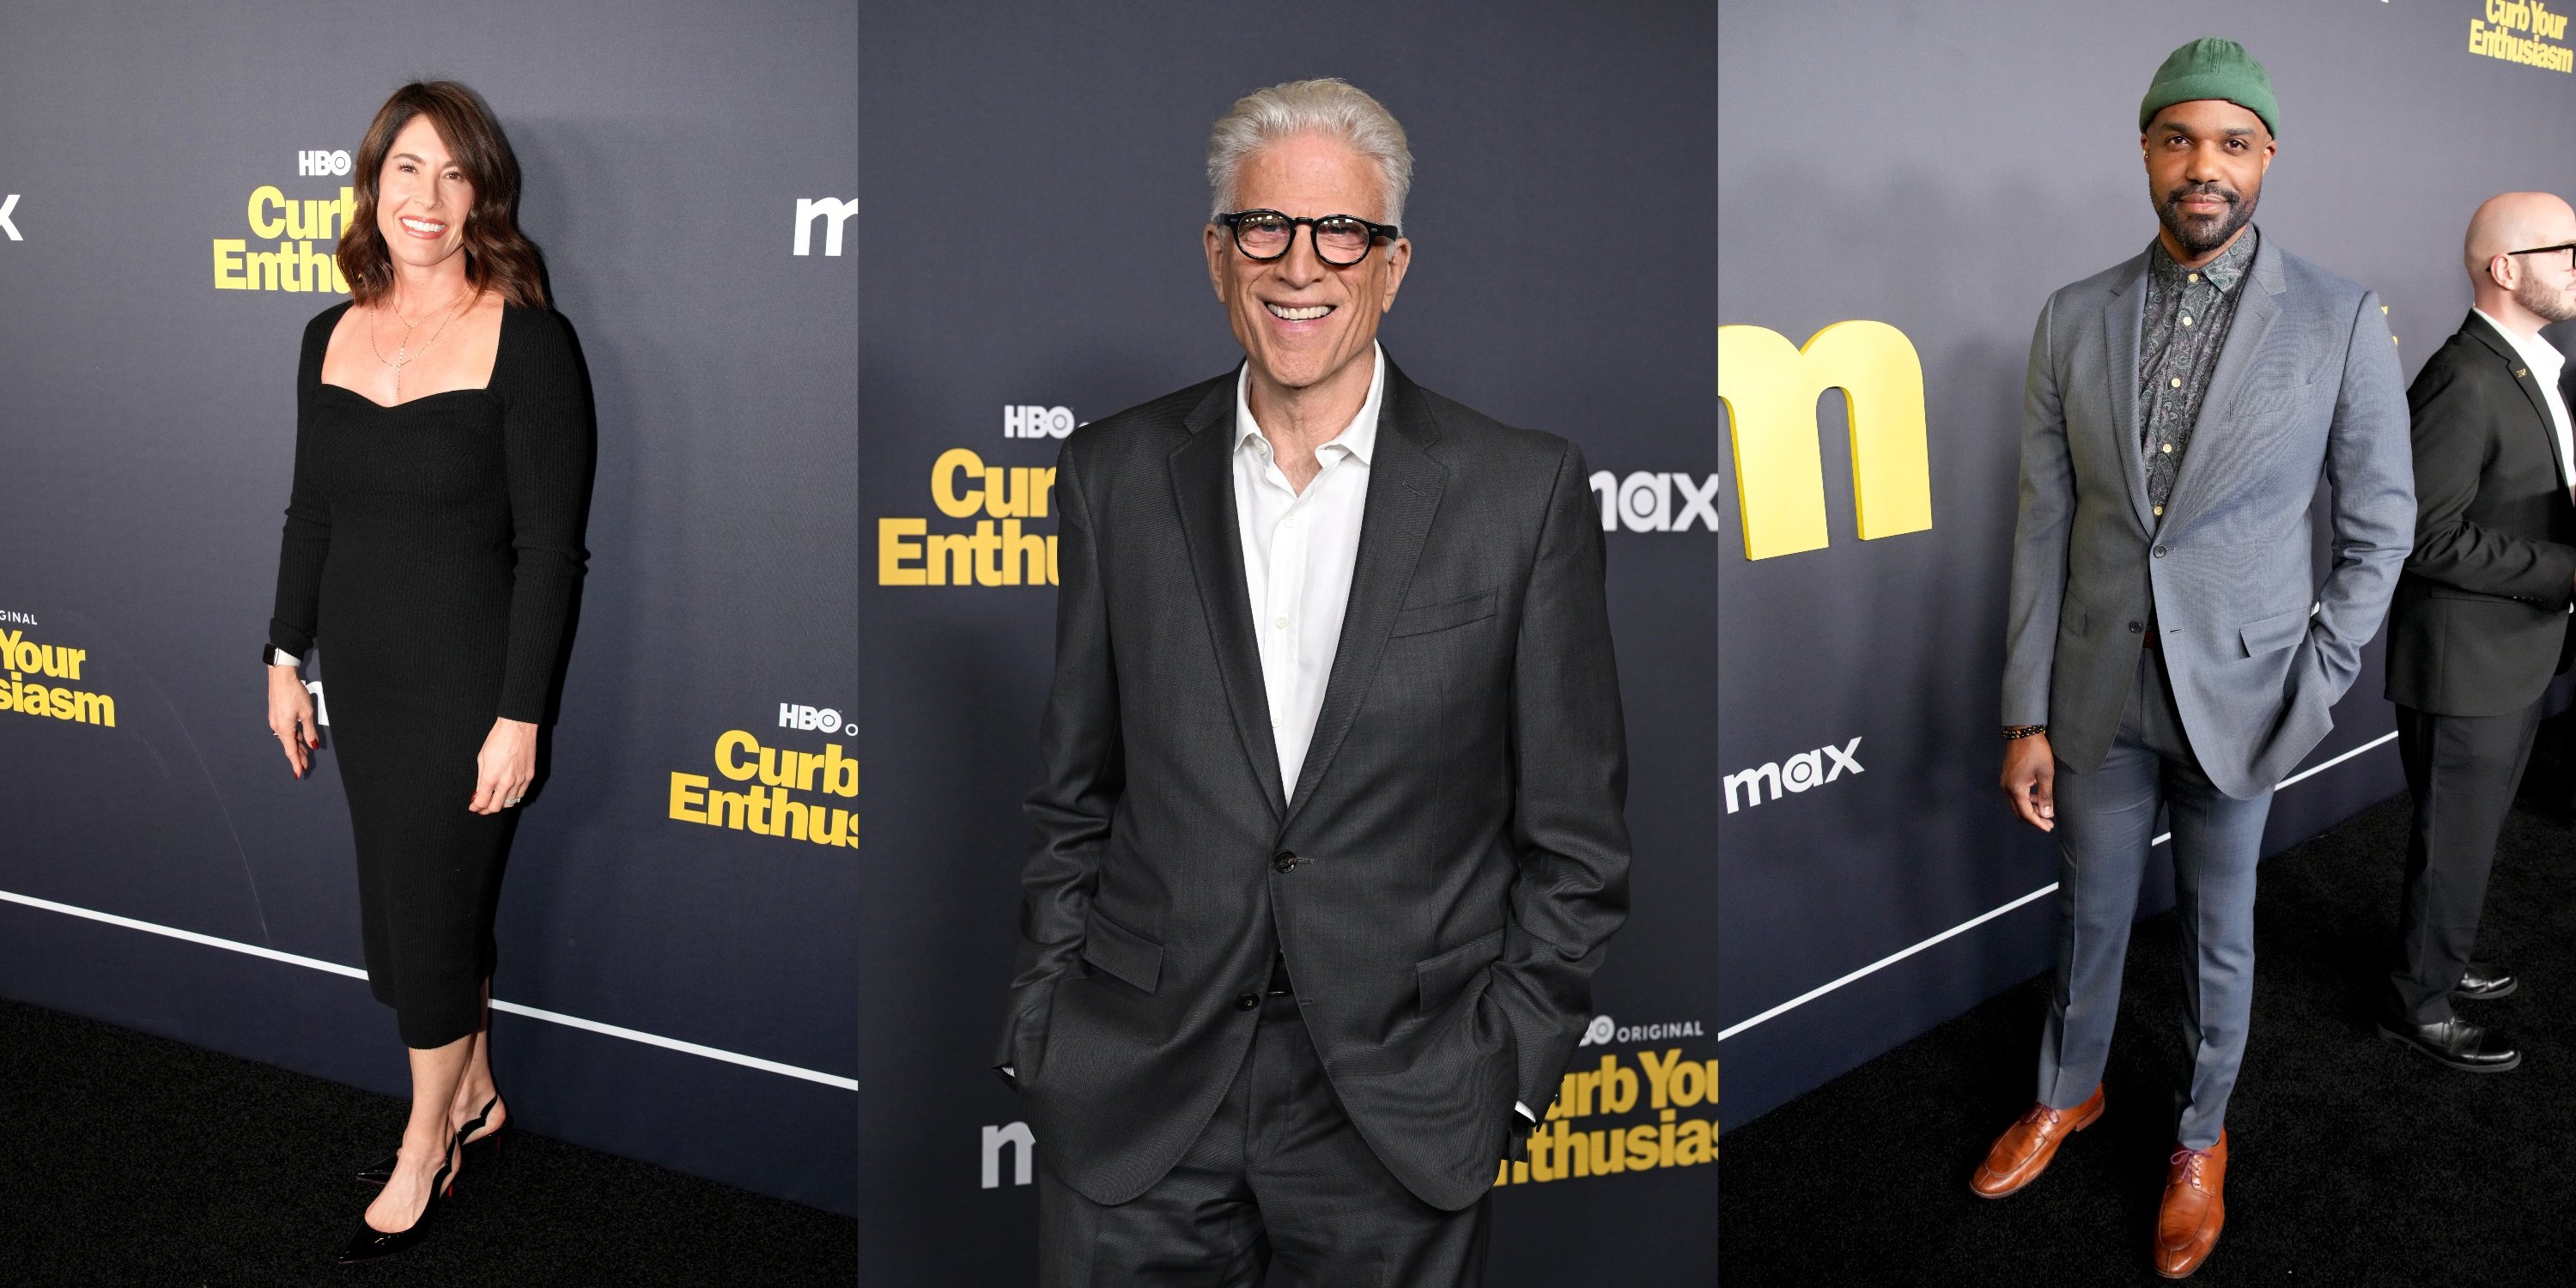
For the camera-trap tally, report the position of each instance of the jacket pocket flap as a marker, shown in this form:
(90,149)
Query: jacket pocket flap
(1122,953)
(2273,633)
(1440,977)
(1427,618)
(2258,401)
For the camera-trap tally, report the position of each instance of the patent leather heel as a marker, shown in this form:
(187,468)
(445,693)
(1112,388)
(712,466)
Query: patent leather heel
(480,1118)
(372,1244)
(488,1149)
(382,1170)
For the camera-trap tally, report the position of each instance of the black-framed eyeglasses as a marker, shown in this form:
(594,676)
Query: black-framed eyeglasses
(1340,240)
(2569,247)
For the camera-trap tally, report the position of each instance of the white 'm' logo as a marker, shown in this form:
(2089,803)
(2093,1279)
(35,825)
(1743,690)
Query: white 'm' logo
(811,210)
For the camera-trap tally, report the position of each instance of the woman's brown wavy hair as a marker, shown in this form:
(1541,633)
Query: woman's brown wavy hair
(497,256)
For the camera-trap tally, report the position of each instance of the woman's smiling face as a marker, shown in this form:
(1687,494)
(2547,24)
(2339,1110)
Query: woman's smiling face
(422,197)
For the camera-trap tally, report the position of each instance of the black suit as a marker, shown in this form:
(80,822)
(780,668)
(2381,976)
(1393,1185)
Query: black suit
(2478,626)
(1455,856)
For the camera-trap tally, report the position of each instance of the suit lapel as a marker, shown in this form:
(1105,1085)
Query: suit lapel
(2255,312)
(1202,470)
(2503,348)
(1404,489)
(2122,319)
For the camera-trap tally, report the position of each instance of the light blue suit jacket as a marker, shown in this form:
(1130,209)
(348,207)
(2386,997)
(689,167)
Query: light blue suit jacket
(2307,387)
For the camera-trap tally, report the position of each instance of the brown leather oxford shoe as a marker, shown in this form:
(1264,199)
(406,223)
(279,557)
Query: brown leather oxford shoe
(2194,1208)
(2023,1151)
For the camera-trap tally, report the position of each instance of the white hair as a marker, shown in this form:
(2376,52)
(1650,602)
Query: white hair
(1331,107)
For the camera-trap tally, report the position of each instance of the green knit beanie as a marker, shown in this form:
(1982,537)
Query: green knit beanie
(2212,68)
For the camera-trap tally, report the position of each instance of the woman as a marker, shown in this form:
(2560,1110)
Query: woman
(433,539)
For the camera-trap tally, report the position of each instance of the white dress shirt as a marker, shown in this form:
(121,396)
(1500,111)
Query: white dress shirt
(2545,361)
(1299,550)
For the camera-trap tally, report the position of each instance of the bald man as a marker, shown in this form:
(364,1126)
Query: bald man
(2479,623)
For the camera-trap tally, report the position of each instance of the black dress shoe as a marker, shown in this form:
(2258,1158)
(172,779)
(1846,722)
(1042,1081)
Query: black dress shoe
(372,1244)
(2466,1047)
(382,1170)
(2484,980)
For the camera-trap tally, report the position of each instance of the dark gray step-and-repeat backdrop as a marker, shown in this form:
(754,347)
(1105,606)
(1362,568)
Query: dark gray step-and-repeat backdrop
(171,177)
(1939,168)
(1035,189)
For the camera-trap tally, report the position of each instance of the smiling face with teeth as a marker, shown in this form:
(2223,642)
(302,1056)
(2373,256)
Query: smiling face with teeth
(1305,325)
(422,198)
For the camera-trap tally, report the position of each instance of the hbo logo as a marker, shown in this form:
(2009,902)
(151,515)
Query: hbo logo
(792,716)
(1036,422)
(321,163)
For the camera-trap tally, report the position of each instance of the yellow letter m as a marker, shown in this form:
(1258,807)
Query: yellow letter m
(1770,392)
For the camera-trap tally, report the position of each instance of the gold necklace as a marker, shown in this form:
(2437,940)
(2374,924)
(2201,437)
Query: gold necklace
(403,356)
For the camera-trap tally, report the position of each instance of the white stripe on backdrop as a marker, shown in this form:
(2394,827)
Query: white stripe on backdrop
(513,1008)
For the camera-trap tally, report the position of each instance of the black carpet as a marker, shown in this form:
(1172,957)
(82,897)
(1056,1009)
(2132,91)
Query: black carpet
(132,1160)
(2352,1161)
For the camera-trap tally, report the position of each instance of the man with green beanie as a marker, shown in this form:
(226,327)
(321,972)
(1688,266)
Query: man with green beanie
(2169,647)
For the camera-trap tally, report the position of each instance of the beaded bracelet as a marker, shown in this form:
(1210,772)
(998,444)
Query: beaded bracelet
(2012,732)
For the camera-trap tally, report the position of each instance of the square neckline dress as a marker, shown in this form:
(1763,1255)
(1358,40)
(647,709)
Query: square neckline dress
(434,545)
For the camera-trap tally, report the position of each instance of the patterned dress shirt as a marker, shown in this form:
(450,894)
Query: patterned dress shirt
(2188,314)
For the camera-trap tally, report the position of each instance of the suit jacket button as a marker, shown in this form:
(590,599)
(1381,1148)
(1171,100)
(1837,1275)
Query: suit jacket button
(1283,860)
(2135,628)
(2160,552)
(1248,1002)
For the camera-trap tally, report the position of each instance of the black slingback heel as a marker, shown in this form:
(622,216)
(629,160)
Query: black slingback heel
(382,1170)
(372,1244)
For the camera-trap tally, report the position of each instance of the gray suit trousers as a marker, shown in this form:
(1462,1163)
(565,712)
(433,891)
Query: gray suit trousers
(1280,1170)
(2106,818)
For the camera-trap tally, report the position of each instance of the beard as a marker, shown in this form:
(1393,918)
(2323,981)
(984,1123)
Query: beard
(2557,305)
(2201,234)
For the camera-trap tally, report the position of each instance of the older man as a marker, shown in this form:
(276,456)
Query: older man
(2480,620)
(2169,646)
(1331,834)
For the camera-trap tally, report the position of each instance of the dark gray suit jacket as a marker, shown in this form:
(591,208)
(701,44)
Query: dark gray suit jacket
(1456,853)
(2480,620)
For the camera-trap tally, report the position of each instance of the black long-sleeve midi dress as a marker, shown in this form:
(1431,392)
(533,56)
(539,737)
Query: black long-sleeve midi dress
(434,547)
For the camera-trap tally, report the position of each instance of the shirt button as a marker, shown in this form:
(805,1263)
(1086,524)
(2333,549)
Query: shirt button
(2177,382)
(1280,622)
(2160,510)
(2168,447)
(2186,321)
(2192,277)
(1248,1002)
